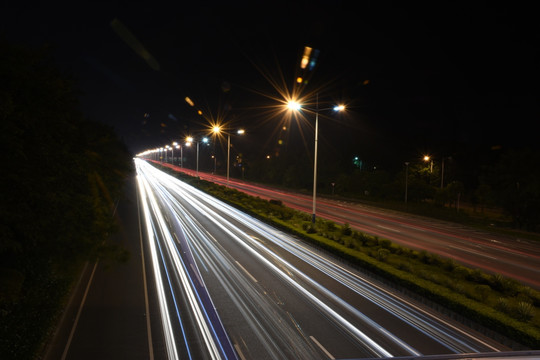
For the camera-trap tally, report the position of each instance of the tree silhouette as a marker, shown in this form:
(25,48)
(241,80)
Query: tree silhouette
(60,176)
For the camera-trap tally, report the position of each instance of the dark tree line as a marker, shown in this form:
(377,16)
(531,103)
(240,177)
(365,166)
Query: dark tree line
(507,179)
(60,176)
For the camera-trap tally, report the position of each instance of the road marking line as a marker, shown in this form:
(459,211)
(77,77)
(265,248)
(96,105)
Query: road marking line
(251,276)
(79,311)
(322,348)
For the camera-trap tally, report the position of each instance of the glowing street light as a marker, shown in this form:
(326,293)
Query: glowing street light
(426,159)
(189,141)
(295,106)
(218,130)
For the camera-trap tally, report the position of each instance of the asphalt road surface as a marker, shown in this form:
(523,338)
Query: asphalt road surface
(205,281)
(276,297)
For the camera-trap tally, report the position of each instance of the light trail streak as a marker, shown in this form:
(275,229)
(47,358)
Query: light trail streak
(214,346)
(319,263)
(220,265)
(410,313)
(203,243)
(244,239)
(164,311)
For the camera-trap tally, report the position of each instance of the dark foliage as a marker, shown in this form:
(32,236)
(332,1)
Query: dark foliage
(60,176)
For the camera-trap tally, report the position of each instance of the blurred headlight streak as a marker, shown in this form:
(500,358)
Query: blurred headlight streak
(249,244)
(258,311)
(155,220)
(164,311)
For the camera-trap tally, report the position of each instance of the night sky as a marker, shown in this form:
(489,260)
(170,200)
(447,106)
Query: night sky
(433,78)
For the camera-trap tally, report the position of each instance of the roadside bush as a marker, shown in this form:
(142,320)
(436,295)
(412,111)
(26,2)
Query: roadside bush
(404,266)
(482,291)
(330,225)
(523,311)
(476,276)
(448,264)
(382,254)
(385,243)
(427,258)
(309,228)
(502,305)
(275,202)
(504,285)
(346,229)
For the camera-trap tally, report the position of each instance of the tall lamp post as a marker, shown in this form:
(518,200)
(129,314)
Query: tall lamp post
(191,140)
(181,155)
(428,158)
(167,147)
(296,107)
(217,130)
(175,145)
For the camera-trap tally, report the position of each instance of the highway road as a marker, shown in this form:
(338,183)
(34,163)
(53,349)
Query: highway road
(512,257)
(229,286)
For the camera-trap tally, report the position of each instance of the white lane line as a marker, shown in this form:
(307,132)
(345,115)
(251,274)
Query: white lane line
(330,356)
(247,272)
(79,312)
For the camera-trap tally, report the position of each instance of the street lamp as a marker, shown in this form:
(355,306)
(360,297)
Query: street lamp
(167,147)
(181,155)
(217,130)
(190,140)
(426,159)
(175,145)
(295,106)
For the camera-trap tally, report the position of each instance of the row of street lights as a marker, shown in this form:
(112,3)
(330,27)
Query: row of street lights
(188,141)
(292,105)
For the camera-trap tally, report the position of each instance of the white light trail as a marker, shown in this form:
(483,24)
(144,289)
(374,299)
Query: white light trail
(245,240)
(156,220)
(406,311)
(164,311)
(170,189)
